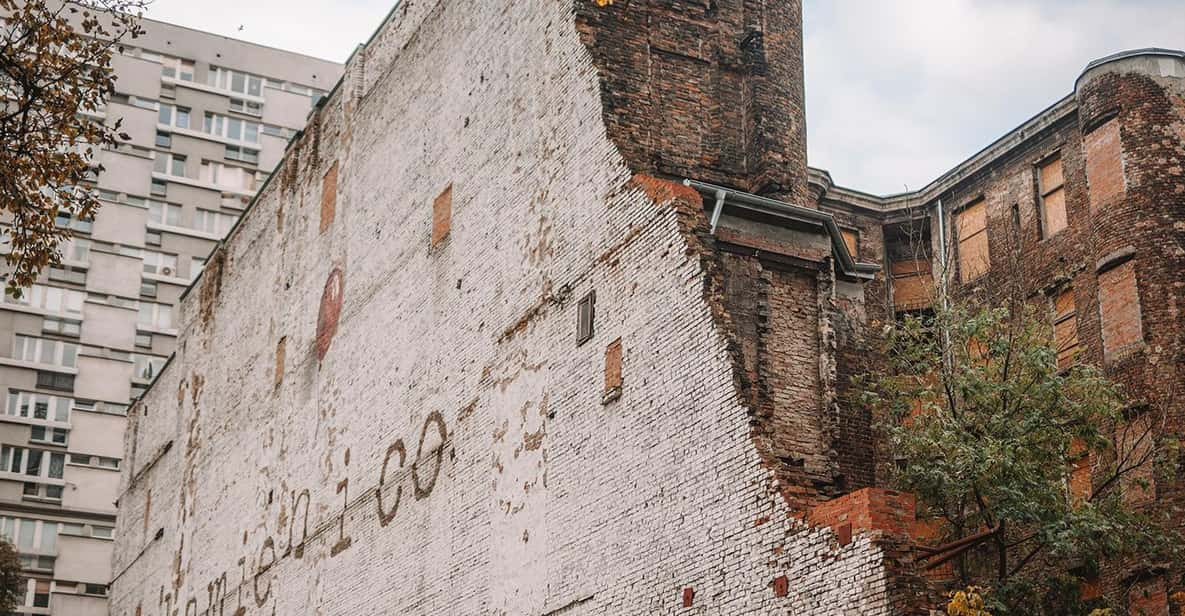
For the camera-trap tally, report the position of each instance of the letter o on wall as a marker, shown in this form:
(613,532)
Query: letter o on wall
(423,490)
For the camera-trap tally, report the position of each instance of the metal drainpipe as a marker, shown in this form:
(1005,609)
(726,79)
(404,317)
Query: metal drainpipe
(720,196)
(942,255)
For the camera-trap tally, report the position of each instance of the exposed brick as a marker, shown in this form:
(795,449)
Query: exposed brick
(613,366)
(1104,165)
(1119,307)
(442,215)
(328,197)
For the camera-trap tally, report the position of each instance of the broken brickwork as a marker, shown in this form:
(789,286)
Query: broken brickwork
(383,402)
(415,418)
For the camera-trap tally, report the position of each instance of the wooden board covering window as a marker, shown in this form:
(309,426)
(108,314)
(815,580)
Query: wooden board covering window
(851,237)
(1052,183)
(913,284)
(1065,328)
(971,224)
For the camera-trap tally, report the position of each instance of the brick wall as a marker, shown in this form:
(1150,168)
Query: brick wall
(409,428)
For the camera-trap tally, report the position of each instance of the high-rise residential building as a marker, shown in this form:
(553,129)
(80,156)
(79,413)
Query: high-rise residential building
(209,117)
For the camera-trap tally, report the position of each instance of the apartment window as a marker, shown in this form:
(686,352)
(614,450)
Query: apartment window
(43,407)
(31,536)
(229,177)
(146,366)
(148,288)
(248,107)
(67,274)
(156,316)
(50,299)
(169,164)
(242,154)
(231,128)
(55,381)
(274,131)
(216,223)
(235,81)
(177,68)
(143,340)
(164,140)
(66,221)
(64,327)
(152,238)
(160,188)
(196,265)
(171,115)
(42,434)
(164,213)
(102,532)
(45,351)
(94,589)
(32,462)
(585,317)
(971,223)
(1065,328)
(77,249)
(159,263)
(1052,185)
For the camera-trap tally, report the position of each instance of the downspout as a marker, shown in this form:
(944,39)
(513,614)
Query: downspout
(942,255)
(720,196)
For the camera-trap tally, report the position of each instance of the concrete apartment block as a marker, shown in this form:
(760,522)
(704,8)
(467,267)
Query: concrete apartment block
(87,340)
(507,361)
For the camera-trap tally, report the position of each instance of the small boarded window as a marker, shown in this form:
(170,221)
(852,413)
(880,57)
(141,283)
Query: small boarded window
(913,284)
(442,216)
(973,241)
(613,378)
(1080,480)
(1137,449)
(328,197)
(586,314)
(1119,308)
(1052,184)
(1104,165)
(1065,329)
(851,238)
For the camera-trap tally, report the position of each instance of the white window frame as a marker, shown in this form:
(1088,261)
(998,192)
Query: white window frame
(155,316)
(220,126)
(9,463)
(65,354)
(23,405)
(54,300)
(162,213)
(158,262)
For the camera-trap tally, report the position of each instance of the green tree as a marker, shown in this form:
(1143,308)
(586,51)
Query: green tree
(11,583)
(987,431)
(55,77)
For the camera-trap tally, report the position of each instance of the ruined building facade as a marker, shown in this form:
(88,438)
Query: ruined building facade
(478,348)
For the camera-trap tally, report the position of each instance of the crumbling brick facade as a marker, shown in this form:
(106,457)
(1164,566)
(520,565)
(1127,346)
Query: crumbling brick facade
(420,418)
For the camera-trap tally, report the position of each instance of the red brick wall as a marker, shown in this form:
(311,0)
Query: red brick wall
(711,91)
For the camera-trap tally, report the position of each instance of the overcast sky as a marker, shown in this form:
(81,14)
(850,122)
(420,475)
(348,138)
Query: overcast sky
(898,91)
